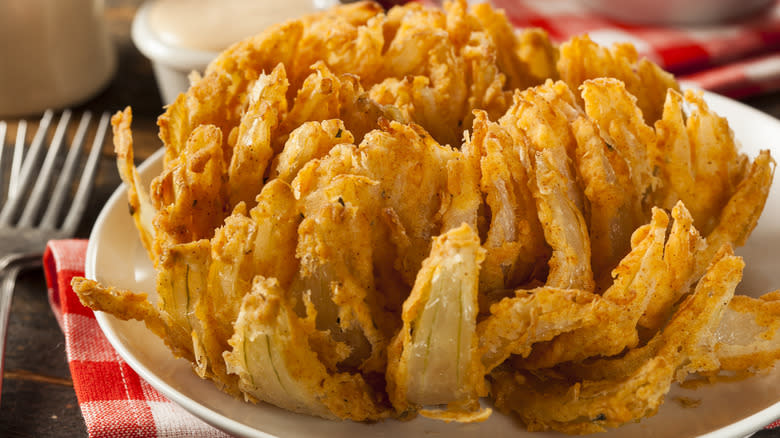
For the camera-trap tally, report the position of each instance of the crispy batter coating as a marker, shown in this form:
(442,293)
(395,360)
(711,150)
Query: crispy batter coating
(253,150)
(189,194)
(141,208)
(636,280)
(615,210)
(582,59)
(272,359)
(611,106)
(748,334)
(633,388)
(433,359)
(366,214)
(515,240)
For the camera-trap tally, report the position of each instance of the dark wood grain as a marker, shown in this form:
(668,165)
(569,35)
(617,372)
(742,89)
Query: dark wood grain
(38,398)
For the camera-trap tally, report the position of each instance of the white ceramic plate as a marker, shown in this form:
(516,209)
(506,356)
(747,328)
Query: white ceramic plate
(115,257)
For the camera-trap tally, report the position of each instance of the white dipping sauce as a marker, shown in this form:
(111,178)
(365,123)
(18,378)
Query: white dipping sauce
(213,25)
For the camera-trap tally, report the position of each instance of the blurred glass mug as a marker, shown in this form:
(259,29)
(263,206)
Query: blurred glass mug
(53,54)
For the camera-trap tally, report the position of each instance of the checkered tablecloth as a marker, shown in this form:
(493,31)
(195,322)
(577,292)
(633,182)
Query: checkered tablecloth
(737,59)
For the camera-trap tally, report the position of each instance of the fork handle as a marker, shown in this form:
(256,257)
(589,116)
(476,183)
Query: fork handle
(9,270)
(6,297)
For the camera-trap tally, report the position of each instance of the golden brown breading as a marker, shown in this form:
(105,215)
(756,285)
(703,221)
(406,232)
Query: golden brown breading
(433,359)
(253,149)
(141,208)
(629,389)
(514,241)
(581,59)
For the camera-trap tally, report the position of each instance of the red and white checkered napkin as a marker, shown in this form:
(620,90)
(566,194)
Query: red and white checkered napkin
(114,400)
(737,59)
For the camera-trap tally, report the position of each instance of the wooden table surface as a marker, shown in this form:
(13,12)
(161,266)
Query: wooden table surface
(38,398)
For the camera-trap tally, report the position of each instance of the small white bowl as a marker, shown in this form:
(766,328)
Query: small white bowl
(172,64)
(676,12)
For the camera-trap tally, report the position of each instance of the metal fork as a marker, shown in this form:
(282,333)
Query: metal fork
(24,230)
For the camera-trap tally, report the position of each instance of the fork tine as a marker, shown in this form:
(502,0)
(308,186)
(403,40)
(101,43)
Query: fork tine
(45,173)
(16,164)
(87,179)
(3,129)
(67,174)
(11,207)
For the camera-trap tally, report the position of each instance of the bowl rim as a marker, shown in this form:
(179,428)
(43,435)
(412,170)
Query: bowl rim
(151,46)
